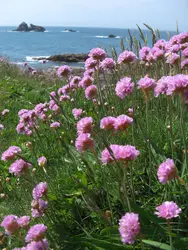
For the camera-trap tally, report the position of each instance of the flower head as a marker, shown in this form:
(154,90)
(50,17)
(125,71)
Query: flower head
(84,125)
(10,224)
(5,111)
(37,245)
(91,92)
(23,221)
(146,83)
(168,210)
(124,87)
(77,113)
(90,63)
(119,153)
(19,167)
(122,122)
(107,123)
(86,81)
(40,190)
(55,125)
(42,161)
(84,142)
(64,71)
(184,63)
(129,228)
(166,171)
(1,127)
(97,54)
(38,208)
(36,233)
(126,57)
(107,64)
(10,153)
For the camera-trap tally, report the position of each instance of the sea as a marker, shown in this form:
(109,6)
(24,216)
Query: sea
(20,47)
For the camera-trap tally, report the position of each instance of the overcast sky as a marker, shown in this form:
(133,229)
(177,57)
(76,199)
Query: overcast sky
(160,14)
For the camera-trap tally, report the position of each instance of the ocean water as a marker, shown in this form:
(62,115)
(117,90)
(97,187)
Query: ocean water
(21,47)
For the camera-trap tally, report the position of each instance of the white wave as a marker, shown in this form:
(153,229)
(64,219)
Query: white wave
(117,37)
(35,58)
(46,31)
(67,31)
(101,36)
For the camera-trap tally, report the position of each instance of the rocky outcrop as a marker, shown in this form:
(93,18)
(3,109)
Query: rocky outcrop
(23,27)
(70,30)
(68,58)
(112,36)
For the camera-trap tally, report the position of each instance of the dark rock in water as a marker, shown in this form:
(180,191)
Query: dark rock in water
(70,30)
(23,27)
(36,28)
(112,36)
(68,58)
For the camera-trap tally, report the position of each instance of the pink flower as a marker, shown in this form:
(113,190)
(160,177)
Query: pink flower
(1,127)
(84,125)
(55,125)
(53,94)
(107,123)
(129,228)
(5,111)
(89,72)
(40,190)
(91,92)
(144,52)
(42,161)
(168,210)
(119,153)
(23,221)
(124,87)
(97,54)
(172,58)
(36,233)
(10,224)
(75,81)
(162,85)
(77,113)
(53,106)
(90,63)
(146,83)
(64,71)
(122,122)
(11,153)
(166,171)
(84,142)
(126,57)
(37,245)
(184,63)
(38,208)
(107,64)
(86,81)
(64,98)
(19,167)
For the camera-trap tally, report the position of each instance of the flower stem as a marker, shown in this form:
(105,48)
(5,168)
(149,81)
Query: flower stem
(170,236)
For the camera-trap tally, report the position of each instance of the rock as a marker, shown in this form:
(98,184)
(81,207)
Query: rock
(36,28)
(23,27)
(68,58)
(112,36)
(70,30)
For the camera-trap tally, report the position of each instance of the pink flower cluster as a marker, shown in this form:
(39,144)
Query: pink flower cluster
(39,206)
(146,83)
(19,167)
(170,85)
(12,224)
(11,153)
(126,57)
(119,153)
(64,71)
(97,54)
(124,87)
(168,210)
(84,140)
(129,228)
(91,92)
(77,113)
(116,123)
(42,161)
(166,171)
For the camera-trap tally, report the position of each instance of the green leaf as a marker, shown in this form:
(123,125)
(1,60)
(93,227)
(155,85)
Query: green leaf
(157,244)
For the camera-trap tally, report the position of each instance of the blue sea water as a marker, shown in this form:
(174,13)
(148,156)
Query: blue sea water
(21,47)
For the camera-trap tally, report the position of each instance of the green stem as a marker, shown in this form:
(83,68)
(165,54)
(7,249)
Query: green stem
(148,143)
(170,236)
(182,126)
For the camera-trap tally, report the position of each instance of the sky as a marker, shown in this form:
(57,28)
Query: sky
(160,14)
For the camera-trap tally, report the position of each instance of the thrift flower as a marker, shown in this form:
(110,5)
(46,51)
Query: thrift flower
(107,123)
(84,142)
(19,167)
(10,224)
(84,125)
(97,54)
(40,190)
(5,111)
(55,125)
(126,57)
(124,87)
(64,71)
(107,64)
(129,228)
(168,210)
(166,171)
(23,221)
(36,233)
(122,122)
(146,83)
(42,161)
(91,92)
(11,153)
(77,113)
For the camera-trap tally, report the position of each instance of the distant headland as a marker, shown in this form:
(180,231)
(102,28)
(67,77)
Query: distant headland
(23,27)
